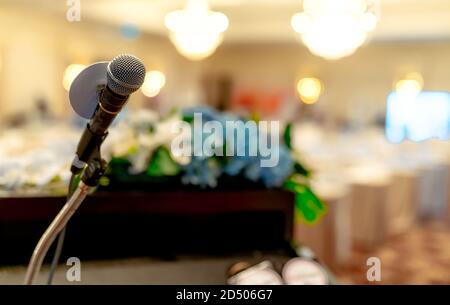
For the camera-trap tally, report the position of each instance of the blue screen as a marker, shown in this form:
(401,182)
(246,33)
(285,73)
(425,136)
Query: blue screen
(419,117)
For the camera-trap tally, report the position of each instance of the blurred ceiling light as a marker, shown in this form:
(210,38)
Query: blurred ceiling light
(153,83)
(309,89)
(411,84)
(70,73)
(335,29)
(196,31)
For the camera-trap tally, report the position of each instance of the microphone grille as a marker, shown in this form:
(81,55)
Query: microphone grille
(126,73)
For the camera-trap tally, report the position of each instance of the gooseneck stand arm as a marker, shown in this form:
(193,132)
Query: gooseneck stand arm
(91,175)
(53,230)
(73,184)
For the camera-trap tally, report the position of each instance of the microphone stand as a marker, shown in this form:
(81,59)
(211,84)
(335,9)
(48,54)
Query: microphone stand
(91,175)
(73,183)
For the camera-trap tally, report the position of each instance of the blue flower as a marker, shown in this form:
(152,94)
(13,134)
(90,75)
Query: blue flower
(201,171)
(205,171)
(276,175)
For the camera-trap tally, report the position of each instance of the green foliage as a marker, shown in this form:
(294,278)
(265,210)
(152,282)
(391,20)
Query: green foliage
(287,135)
(188,118)
(162,164)
(301,170)
(310,208)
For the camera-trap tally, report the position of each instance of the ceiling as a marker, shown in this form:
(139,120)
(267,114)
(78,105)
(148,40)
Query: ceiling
(263,20)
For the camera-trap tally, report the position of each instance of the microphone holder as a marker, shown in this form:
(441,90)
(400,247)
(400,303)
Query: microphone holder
(90,178)
(88,149)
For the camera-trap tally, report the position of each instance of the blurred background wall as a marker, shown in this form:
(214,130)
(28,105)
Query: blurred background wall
(36,47)
(355,87)
(37,43)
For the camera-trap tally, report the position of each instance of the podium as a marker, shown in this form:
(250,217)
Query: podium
(113,225)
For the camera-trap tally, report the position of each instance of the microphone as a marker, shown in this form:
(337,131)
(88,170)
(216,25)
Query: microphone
(124,75)
(99,97)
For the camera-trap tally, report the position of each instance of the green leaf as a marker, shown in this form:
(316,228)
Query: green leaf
(310,208)
(287,135)
(162,164)
(188,118)
(301,170)
(118,166)
(119,161)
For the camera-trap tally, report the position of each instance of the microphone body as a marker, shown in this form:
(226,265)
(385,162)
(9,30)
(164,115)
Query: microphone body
(96,130)
(125,74)
(109,106)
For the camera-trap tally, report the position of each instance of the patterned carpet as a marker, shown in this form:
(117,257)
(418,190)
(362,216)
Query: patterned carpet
(419,256)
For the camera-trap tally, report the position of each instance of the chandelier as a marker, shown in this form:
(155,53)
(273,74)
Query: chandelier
(335,28)
(196,31)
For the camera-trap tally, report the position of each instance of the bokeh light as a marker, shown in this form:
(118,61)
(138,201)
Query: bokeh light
(153,83)
(334,29)
(196,31)
(70,73)
(411,84)
(309,89)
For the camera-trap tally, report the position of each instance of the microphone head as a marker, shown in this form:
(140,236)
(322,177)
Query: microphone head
(125,74)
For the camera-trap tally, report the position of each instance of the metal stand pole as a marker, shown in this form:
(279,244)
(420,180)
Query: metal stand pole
(53,230)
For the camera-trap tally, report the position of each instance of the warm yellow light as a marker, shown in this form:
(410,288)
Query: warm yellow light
(70,73)
(196,31)
(335,29)
(408,86)
(369,21)
(301,22)
(309,89)
(153,83)
(411,84)
(333,37)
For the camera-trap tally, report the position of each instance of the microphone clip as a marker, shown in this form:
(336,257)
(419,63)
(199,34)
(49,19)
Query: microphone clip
(93,172)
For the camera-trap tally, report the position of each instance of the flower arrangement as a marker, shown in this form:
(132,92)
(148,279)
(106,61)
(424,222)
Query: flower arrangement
(142,156)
